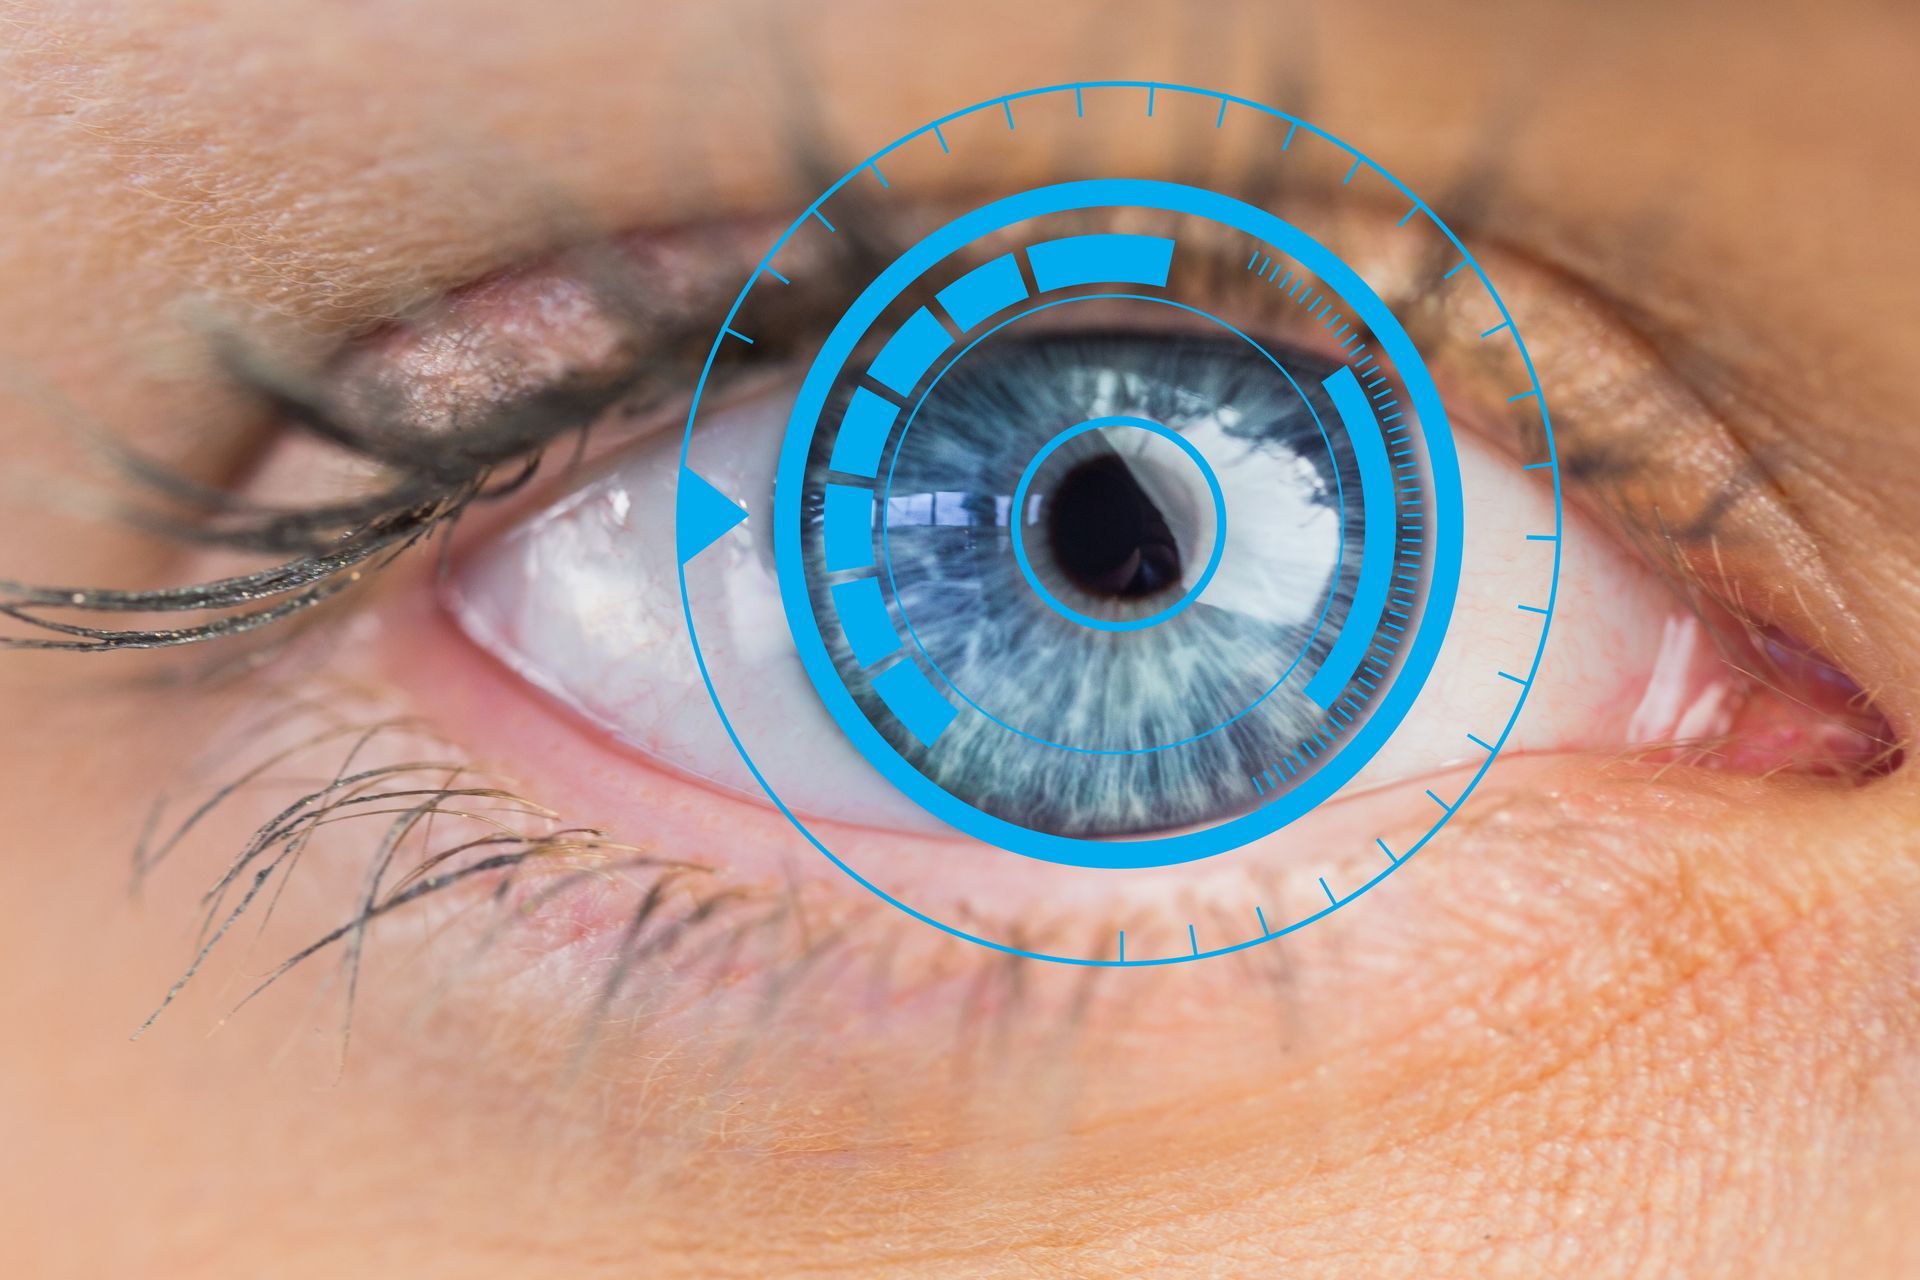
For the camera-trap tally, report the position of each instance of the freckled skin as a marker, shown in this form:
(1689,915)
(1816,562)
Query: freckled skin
(1626,1022)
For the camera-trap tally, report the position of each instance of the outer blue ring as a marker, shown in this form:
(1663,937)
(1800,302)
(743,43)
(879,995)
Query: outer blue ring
(859,318)
(1020,543)
(1339,559)
(1552,463)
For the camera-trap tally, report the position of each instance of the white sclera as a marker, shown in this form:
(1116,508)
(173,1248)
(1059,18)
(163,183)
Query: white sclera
(583,601)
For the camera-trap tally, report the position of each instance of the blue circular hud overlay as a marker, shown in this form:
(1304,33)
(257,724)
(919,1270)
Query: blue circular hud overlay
(1118,525)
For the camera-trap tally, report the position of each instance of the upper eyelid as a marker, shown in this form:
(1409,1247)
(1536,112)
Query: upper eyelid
(446,369)
(593,317)
(740,240)
(470,366)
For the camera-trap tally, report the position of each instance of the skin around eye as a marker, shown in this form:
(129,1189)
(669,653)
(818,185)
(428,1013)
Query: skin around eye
(1631,1021)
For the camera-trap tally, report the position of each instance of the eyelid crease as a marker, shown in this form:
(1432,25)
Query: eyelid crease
(604,315)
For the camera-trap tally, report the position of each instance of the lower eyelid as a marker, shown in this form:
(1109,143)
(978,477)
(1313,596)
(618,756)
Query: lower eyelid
(750,843)
(1532,804)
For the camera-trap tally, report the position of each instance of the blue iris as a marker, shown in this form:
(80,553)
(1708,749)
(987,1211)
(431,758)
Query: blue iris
(1065,727)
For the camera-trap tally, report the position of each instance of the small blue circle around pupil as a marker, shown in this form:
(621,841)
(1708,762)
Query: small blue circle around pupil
(1116,525)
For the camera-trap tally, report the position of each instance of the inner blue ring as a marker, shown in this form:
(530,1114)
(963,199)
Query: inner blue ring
(886,549)
(796,597)
(1219,522)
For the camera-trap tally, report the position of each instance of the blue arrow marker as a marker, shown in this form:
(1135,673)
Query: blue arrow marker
(702,514)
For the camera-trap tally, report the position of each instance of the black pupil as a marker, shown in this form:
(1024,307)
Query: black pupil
(1107,535)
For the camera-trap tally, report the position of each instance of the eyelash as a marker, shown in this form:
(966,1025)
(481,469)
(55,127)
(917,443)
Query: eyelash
(276,848)
(328,549)
(684,914)
(432,479)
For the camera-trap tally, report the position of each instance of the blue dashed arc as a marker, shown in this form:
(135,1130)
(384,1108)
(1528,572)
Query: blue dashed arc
(1377,540)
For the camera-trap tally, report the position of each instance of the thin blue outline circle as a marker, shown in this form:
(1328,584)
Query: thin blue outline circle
(1340,549)
(1389,707)
(1026,482)
(1551,463)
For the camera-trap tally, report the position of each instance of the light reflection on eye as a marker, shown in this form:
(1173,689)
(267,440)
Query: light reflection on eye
(582,599)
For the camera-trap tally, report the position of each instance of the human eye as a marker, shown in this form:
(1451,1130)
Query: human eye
(949,520)
(1121,527)
(1021,547)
